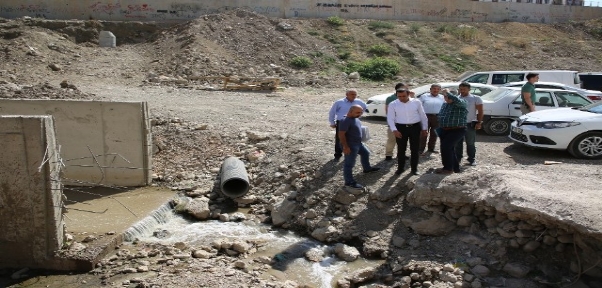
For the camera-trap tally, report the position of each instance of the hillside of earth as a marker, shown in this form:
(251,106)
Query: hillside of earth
(316,52)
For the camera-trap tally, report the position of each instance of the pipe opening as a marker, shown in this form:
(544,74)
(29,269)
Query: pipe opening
(235,187)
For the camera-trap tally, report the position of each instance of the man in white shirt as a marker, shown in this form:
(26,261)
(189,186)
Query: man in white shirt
(431,102)
(407,120)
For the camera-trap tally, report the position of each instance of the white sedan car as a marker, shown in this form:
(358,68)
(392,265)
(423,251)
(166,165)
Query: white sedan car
(376,104)
(502,106)
(578,130)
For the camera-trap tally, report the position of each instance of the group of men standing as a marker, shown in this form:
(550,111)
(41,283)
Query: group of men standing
(417,119)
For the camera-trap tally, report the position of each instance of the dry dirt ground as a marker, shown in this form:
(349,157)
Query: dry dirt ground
(195,128)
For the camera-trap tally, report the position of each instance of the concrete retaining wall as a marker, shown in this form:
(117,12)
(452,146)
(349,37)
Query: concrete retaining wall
(177,10)
(106,143)
(30,192)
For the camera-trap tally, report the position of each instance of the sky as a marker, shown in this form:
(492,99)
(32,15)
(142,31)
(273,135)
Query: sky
(593,3)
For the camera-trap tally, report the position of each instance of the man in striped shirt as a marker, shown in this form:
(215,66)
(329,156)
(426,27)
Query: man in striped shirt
(452,128)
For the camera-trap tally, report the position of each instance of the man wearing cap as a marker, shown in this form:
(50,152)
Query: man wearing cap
(431,102)
(391,142)
(338,111)
(407,120)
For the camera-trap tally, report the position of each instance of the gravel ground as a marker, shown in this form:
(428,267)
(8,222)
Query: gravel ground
(194,130)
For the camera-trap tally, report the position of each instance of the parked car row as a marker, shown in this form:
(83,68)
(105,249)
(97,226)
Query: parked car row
(498,78)
(376,104)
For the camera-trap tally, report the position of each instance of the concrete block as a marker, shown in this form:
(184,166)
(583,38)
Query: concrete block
(95,137)
(30,192)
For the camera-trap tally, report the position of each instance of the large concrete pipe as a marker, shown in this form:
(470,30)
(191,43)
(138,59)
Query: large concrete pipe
(235,181)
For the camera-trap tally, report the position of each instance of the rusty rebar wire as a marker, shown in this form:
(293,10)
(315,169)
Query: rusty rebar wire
(83,210)
(102,171)
(107,154)
(107,167)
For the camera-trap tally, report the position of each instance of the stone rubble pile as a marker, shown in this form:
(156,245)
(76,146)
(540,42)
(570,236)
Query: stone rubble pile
(67,90)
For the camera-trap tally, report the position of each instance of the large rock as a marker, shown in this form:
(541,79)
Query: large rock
(241,246)
(347,253)
(386,194)
(516,270)
(282,212)
(434,226)
(199,208)
(322,234)
(480,270)
(344,197)
(202,254)
(257,136)
(363,275)
(314,255)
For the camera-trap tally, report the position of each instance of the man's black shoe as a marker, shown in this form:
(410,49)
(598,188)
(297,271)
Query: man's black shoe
(414,172)
(337,158)
(407,157)
(399,171)
(388,158)
(373,169)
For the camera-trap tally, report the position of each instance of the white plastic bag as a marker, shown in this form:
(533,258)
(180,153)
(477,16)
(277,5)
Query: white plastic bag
(365,134)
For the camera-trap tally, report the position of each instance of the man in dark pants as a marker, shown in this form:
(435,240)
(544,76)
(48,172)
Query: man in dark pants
(431,103)
(391,140)
(407,120)
(350,135)
(452,128)
(338,111)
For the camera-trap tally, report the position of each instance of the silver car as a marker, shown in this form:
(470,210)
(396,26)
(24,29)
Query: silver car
(591,94)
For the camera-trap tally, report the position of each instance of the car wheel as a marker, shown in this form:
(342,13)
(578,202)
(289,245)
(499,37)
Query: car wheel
(587,145)
(497,127)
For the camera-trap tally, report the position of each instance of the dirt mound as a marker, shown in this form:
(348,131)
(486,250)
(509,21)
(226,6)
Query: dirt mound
(41,91)
(239,43)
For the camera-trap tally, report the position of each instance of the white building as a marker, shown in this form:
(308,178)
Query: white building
(548,2)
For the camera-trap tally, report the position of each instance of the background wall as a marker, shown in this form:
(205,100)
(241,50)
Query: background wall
(105,143)
(423,10)
(30,192)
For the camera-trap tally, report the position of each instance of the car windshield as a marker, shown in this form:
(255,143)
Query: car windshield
(594,108)
(422,89)
(496,94)
(427,88)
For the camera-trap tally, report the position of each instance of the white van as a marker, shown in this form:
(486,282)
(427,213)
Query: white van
(498,78)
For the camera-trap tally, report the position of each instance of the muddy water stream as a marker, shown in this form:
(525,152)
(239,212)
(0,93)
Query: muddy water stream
(285,247)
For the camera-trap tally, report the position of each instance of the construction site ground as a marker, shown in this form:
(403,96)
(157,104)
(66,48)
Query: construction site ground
(195,126)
